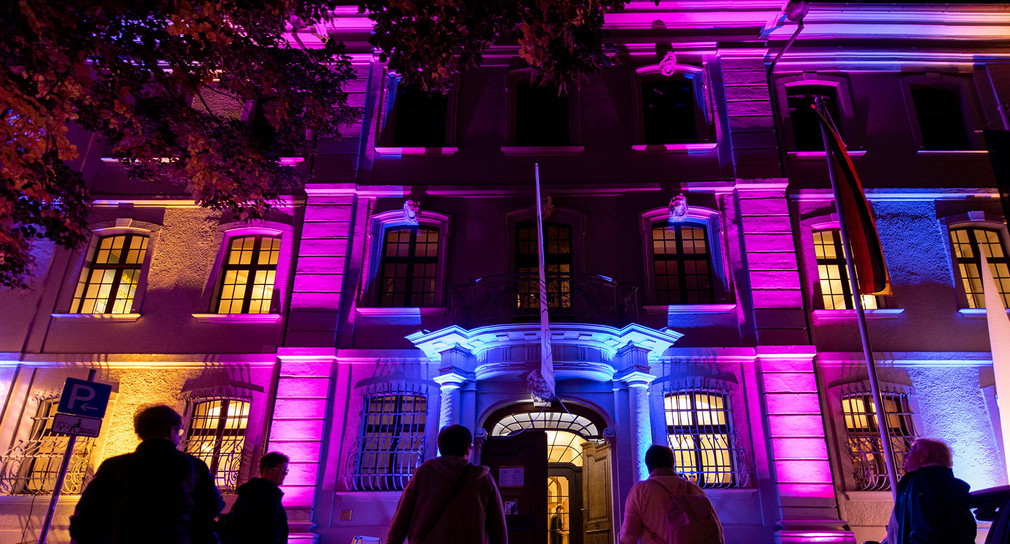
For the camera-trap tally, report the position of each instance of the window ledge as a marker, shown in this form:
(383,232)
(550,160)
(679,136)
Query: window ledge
(399,311)
(118,318)
(820,154)
(238,318)
(389,151)
(543,150)
(845,315)
(699,147)
(973,313)
(285,161)
(950,153)
(691,309)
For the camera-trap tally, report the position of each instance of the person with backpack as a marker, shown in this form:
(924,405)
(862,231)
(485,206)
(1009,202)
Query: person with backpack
(667,508)
(258,517)
(450,500)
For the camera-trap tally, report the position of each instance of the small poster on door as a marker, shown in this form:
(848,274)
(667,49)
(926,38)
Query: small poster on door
(510,476)
(511,508)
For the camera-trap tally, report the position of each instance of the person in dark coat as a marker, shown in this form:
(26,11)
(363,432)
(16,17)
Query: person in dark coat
(258,517)
(557,527)
(931,505)
(156,495)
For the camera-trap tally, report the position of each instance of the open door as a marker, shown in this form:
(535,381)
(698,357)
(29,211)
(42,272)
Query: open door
(596,499)
(519,466)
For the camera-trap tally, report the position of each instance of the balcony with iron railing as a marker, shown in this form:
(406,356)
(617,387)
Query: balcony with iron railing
(573,298)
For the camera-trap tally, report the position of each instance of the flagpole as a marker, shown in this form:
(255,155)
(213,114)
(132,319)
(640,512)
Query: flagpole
(999,345)
(871,368)
(546,351)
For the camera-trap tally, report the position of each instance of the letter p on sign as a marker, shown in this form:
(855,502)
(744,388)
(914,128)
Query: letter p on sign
(84,398)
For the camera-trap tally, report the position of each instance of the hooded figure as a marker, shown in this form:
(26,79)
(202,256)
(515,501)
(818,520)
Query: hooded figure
(450,500)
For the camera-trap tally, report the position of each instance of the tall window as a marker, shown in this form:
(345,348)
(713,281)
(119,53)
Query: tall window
(865,449)
(557,266)
(541,115)
(216,434)
(966,242)
(414,117)
(391,443)
(109,284)
(409,269)
(668,111)
(682,264)
(802,117)
(698,424)
(248,274)
(32,467)
(941,121)
(836,292)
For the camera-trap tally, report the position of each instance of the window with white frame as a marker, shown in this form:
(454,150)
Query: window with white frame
(32,466)
(865,449)
(108,283)
(684,257)
(699,423)
(833,284)
(390,444)
(414,117)
(674,105)
(406,261)
(248,275)
(216,434)
(965,242)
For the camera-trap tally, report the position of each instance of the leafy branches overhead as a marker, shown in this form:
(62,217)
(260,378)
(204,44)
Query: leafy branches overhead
(204,93)
(429,42)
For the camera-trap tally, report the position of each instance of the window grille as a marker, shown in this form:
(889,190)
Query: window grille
(247,276)
(32,466)
(699,427)
(965,242)
(216,434)
(868,465)
(109,284)
(557,266)
(836,292)
(682,264)
(391,444)
(409,268)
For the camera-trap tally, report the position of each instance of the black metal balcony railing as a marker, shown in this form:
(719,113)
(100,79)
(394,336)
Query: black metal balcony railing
(507,298)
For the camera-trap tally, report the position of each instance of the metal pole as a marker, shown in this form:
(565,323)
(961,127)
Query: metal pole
(58,486)
(871,368)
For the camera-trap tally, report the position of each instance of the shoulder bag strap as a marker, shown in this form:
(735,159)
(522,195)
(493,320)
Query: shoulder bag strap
(427,527)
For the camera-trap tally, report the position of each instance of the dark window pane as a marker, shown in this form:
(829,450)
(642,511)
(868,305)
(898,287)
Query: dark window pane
(941,123)
(803,118)
(541,116)
(668,111)
(419,117)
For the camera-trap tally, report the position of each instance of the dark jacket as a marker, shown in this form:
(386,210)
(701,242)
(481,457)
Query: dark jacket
(932,508)
(156,495)
(474,516)
(257,517)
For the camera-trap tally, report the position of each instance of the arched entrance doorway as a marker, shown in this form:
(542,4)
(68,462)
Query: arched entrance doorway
(566,449)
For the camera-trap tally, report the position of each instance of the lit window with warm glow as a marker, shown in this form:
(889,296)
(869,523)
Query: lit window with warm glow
(391,443)
(32,467)
(558,262)
(247,276)
(700,435)
(859,412)
(832,273)
(682,264)
(216,434)
(109,284)
(965,243)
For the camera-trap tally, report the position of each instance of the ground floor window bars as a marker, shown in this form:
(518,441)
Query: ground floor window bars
(32,466)
(216,434)
(391,443)
(699,427)
(865,449)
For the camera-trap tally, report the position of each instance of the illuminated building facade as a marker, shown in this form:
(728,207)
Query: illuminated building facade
(398,294)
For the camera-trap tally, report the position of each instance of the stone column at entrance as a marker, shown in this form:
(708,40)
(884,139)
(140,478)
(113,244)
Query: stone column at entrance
(453,374)
(636,378)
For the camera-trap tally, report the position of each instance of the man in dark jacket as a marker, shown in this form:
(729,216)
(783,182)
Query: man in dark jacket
(931,505)
(258,517)
(156,495)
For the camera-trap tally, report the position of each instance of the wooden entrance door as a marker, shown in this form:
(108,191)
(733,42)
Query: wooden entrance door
(596,496)
(519,466)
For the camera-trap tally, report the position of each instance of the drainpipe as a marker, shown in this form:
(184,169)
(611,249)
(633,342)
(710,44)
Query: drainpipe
(795,11)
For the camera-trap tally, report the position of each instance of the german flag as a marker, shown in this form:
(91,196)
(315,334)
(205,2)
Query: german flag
(867,255)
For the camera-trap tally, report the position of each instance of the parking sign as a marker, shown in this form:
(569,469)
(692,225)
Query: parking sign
(84,398)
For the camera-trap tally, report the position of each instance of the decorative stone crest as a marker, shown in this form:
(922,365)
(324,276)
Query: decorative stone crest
(678,208)
(412,212)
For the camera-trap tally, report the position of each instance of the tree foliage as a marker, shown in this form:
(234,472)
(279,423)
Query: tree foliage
(428,43)
(151,77)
